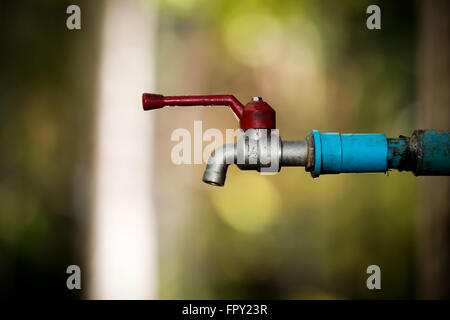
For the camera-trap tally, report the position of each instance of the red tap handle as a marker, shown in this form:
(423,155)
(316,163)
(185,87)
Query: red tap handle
(256,114)
(156,101)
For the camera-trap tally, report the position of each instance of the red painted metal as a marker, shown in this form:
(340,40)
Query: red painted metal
(258,115)
(255,115)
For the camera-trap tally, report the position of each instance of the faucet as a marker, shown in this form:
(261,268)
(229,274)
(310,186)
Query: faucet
(260,148)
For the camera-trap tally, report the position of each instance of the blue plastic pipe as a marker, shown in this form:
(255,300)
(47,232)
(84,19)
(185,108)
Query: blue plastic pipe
(425,153)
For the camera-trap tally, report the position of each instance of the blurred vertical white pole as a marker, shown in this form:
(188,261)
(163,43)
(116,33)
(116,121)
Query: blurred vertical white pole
(123,257)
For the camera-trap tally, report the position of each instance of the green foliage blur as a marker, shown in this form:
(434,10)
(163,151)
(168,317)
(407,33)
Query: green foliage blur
(284,236)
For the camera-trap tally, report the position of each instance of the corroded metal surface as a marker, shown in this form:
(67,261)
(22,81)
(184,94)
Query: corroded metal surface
(426,152)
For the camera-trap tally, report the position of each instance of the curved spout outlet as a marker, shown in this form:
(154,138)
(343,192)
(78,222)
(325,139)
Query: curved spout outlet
(217,166)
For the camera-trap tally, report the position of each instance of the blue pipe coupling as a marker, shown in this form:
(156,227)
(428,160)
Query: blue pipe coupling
(339,153)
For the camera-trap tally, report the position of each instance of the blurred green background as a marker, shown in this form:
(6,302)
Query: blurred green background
(285,236)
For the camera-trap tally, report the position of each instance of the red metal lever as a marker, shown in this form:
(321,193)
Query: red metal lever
(156,101)
(257,114)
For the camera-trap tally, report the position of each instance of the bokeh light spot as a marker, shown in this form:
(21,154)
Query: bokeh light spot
(180,5)
(254,39)
(248,204)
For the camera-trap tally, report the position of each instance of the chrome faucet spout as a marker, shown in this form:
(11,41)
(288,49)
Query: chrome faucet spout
(217,166)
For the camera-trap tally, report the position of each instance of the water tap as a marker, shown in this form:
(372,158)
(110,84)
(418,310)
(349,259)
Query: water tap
(260,148)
